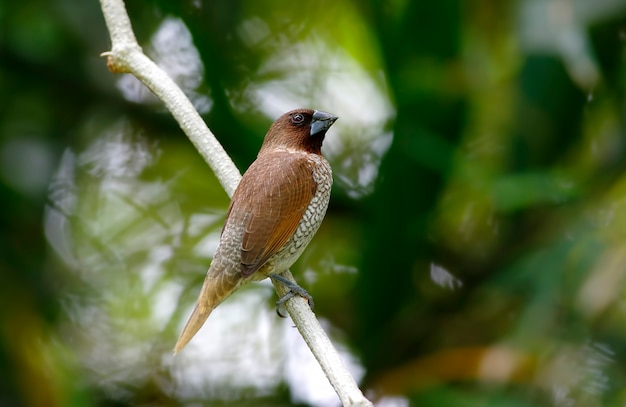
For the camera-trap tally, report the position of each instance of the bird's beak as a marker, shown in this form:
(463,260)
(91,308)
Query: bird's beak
(321,122)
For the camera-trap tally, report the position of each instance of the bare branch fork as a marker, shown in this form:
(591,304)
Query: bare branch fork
(126,56)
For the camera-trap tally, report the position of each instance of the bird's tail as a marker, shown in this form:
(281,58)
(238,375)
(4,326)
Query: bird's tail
(216,287)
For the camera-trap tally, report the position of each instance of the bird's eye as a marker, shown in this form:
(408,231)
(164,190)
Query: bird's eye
(297,118)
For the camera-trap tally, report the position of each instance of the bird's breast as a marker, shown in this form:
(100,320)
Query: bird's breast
(312,218)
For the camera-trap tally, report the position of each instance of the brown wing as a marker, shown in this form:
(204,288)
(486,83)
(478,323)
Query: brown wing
(271,200)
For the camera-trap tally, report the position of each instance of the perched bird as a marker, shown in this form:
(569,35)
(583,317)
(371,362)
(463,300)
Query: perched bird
(276,209)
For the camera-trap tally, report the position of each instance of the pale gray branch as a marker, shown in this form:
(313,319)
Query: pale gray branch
(126,56)
(321,347)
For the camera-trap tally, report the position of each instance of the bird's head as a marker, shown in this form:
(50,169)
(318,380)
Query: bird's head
(300,129)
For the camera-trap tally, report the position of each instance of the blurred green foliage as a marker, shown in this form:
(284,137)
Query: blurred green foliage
(473,253)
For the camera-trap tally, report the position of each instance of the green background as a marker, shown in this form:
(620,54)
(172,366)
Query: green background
(473,253)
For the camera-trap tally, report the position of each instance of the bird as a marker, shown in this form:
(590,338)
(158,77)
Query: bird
(275,210)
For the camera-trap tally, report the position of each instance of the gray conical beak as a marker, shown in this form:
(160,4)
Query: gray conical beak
(321,122)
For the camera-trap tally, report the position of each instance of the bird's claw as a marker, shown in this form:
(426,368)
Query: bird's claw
(294,289)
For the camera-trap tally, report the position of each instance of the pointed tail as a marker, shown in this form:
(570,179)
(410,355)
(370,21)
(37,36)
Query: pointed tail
(214,290)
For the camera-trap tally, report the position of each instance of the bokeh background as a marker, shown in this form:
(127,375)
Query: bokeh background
(474,252)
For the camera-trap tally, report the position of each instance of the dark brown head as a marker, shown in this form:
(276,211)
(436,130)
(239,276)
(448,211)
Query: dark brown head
(300,129)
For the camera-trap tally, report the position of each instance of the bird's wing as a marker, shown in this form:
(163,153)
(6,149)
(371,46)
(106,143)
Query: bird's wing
(272,205)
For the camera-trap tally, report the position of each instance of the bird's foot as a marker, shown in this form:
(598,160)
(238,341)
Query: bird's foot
(294,289)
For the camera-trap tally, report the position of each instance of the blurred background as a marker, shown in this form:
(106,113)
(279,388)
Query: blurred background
(474,252)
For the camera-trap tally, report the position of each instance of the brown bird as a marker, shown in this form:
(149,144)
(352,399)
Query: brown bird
(275,211)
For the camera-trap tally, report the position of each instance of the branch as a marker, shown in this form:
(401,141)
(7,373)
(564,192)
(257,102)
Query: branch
(126,56)
(321,347)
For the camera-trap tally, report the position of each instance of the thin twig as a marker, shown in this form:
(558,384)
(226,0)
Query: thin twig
(126,56)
